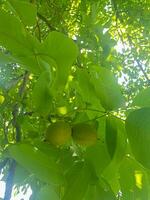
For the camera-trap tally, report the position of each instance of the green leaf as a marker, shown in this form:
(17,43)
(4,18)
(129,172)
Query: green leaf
(12,35)
(66,159)
(133,180)
(80,117)
(25,11)
(91,193)
(138,131)
(22,45)
(121,140)
(21,175)
(97,155)
(41,97)
(78,181)
(29,55)
(86,89)
(110,173)
(116,139)
(143,98)
(111,135)
(105,194)
(47,149)
(46,193)
(36,162)
(64,51)
(97,192)
(106,88)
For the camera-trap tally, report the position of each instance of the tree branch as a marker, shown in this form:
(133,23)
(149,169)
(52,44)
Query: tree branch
(22,87)
(46,21)
(15,113)
(140,66)
(9,180)
(2,164)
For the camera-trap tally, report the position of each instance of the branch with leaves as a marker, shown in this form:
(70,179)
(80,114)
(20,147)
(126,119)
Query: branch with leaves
(12,163)
(129,38)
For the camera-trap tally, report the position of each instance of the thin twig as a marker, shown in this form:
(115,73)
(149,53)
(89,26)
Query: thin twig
(95,118)
(138,62)
(84,109)
(46,22)
(116,116)
(145,74)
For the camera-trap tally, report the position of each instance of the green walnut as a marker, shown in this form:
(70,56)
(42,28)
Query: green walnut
(58,133)
(84,134)
(2,98)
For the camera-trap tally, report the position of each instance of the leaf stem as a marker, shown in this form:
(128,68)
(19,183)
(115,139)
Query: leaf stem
(84,109)
(95,118)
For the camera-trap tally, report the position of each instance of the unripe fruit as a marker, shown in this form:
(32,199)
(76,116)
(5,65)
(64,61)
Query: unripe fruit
(84,134)
(58,133)
(1,99)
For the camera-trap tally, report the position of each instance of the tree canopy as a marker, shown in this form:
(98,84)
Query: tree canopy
(75,99)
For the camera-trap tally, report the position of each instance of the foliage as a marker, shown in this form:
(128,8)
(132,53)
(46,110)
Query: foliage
(80,62)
